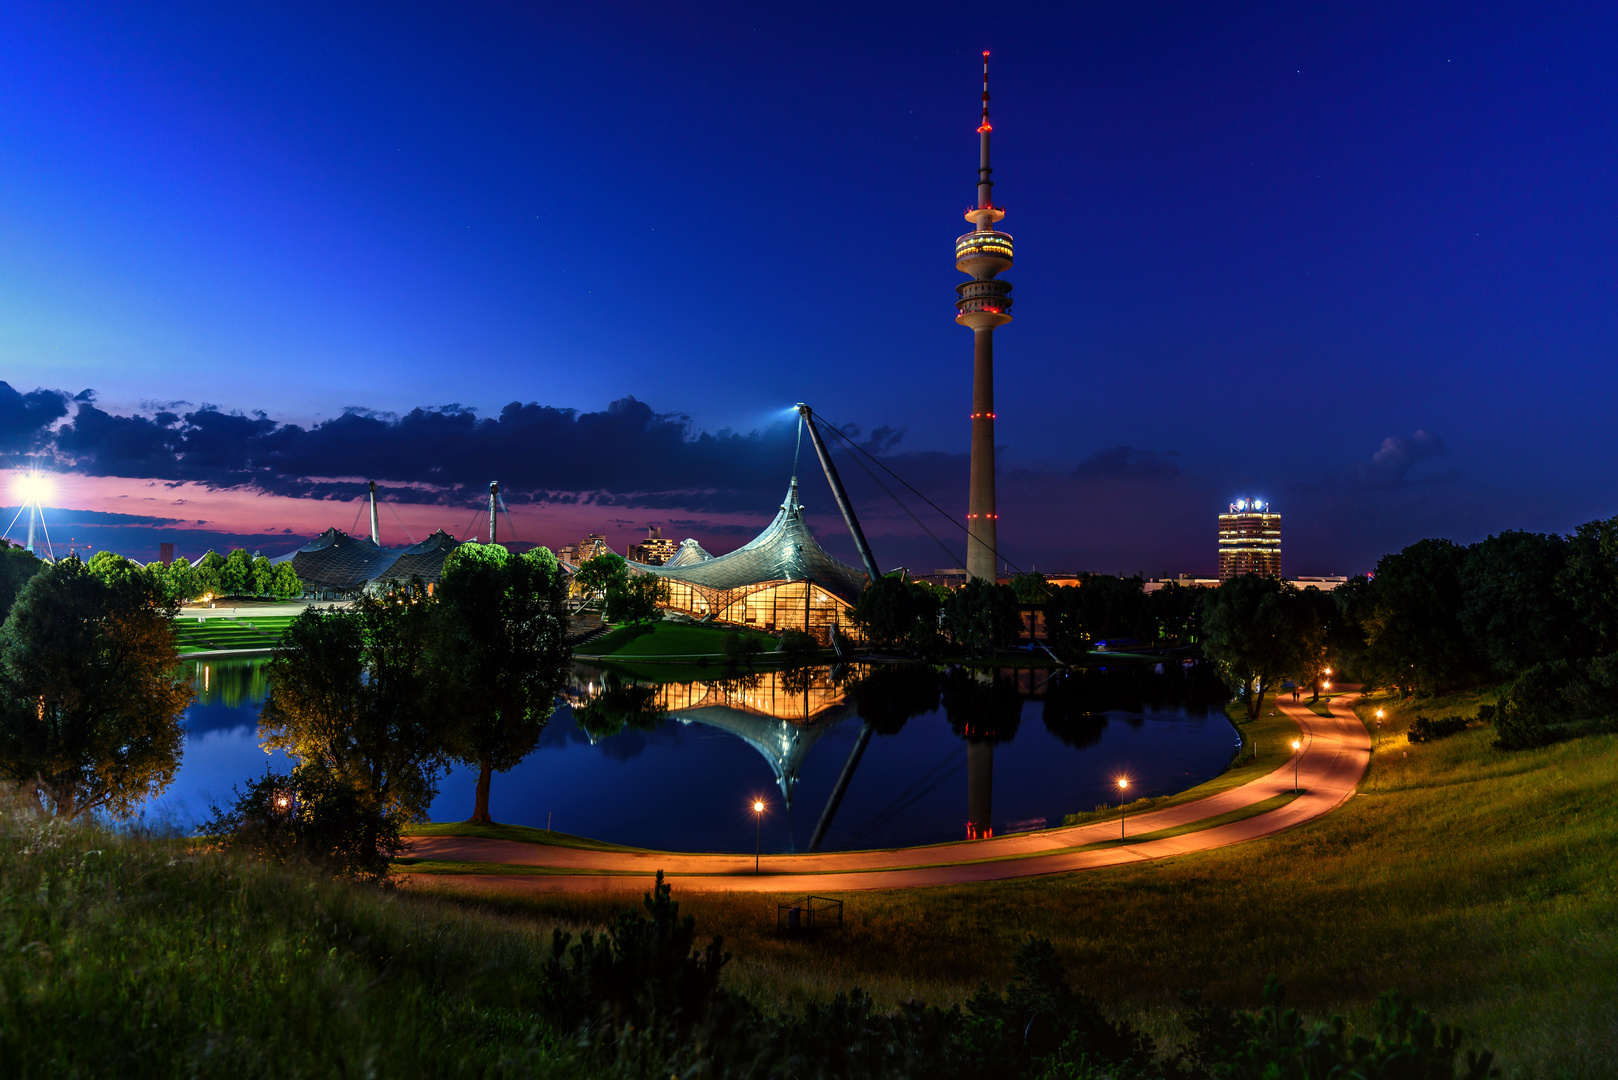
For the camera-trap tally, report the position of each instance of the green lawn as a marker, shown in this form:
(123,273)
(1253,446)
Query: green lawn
(649,641)
(1481,882)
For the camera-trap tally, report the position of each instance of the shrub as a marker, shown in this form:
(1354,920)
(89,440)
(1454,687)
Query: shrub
(741,648)
(310,817)
(799,646)
(1424,730)
(1487,713)
(1529,705)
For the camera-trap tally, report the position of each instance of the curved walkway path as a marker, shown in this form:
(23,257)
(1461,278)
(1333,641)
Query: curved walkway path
(1336,752)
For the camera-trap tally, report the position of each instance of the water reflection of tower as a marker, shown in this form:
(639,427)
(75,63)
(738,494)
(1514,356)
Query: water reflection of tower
(983,305)
(979,790)
(982,710)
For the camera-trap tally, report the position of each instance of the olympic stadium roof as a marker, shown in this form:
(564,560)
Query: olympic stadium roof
(689,554)
(785,551)
(336,560)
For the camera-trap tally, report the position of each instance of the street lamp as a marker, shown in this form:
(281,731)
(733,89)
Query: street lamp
(1123,785)
(1379,727)
(1296,746)
(758,830)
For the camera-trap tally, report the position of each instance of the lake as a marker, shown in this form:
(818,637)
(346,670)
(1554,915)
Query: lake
(923,755)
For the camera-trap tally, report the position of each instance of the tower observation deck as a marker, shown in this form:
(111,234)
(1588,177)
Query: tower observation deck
(983,304)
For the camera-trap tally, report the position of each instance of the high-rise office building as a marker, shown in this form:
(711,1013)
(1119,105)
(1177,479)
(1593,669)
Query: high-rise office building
(1249,540)
(983,305)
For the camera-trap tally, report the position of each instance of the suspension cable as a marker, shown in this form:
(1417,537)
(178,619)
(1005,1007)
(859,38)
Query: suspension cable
(919,523)
(838,432)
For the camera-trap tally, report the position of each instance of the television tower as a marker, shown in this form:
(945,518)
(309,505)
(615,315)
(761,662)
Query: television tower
(983,305)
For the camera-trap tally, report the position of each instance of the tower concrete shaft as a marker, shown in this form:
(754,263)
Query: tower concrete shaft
(983,304)
(376,527)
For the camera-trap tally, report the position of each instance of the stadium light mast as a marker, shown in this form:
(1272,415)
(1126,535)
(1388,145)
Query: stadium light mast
(376,529)
(983,305)
(32,490)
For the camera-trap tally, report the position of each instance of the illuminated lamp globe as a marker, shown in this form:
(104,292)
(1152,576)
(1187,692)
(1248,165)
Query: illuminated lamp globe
(758,806)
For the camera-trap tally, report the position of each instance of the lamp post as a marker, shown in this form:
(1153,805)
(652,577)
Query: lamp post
(1296,746)
(1379,727)
(1123,785)
(758,831)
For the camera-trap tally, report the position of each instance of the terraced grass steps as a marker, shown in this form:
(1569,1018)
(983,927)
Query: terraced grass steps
(192,635)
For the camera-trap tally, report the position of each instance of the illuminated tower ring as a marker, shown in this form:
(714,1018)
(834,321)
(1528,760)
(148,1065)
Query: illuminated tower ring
(983,304)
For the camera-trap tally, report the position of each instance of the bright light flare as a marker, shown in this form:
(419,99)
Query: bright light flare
(758,806)
(33,487)
(1123,782)
(1296,745)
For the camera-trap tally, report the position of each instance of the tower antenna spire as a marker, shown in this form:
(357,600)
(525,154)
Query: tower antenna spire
(985,185)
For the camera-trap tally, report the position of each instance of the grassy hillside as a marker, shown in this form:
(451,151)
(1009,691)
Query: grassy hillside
(1483,883)
(142,958)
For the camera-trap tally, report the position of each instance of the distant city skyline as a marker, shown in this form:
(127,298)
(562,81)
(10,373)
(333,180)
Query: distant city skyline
(1357,262)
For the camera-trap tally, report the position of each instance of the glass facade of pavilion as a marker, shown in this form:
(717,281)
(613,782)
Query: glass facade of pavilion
(781,580)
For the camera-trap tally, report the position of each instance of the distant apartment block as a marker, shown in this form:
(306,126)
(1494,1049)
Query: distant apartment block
(654,550)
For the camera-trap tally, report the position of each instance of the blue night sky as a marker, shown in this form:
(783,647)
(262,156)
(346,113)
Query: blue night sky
(1361,262)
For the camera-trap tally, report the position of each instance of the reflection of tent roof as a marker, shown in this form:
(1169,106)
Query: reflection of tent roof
(784,743)
(689,554)
(785,551)
(336,560)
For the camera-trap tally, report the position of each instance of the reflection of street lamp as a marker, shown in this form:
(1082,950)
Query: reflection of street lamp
(1123,784)
(1296,746)
(758,831)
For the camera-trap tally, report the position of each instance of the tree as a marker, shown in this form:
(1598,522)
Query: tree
(236,575)
(1589,582)
(349,696)
(499,655)
(284,585)
(983,617)
(263,576)
(1258,631)
(1064,620)
(207,576)
(111,567)
(595,576)
(1031,588)
(895,613)
(89,704)
(1414,635)
(18,565)
(635,598)
(178,578)
(1511,607)
(1175,612)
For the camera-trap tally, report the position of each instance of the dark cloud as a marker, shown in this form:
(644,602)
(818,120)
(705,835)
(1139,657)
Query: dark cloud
(625,455)
(1390,466)
(65,518)
(26,418)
